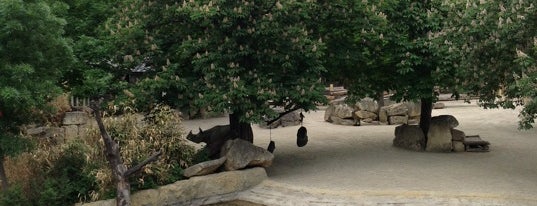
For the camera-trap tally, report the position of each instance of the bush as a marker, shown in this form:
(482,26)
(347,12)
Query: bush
(139,136)
(13,196)
(78,171)
(68,179)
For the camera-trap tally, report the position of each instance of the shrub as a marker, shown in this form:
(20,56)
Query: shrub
(139,136)
(13,196)
(77,171)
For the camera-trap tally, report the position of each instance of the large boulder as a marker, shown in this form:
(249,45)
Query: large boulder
(439,135)
(341,121)
(450,120)
(383,115)
(439,105)
(362,114)
(394,120)
(414,108)
(458,146)
(367,104)
(290,119)
(409,137)
(75,118)
(329,112)
(204,168)
(241,153)
(397,109)
(457,135)
(343,111)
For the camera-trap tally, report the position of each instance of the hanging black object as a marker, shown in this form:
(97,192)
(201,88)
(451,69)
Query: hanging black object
(271,146)
(302,137)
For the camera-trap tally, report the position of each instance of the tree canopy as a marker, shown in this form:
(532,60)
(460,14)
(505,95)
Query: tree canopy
(33,52)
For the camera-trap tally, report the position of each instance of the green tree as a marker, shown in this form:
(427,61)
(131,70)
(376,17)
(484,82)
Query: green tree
(32,55)
(392,45)
(497,46)
(243,57)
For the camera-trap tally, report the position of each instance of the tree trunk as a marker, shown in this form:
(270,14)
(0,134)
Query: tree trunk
(240,129)
(3,177)
(116,164)
(425,117)
(123,189)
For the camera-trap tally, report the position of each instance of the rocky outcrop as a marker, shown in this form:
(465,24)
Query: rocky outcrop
(196,189)
(409,137)
(240,154)
(204,168)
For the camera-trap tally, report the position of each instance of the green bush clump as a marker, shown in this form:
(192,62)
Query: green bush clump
(13,196)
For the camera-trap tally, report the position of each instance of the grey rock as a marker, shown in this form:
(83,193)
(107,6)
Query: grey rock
(365,114)
(71,132)
(343,111)
(329,112)
(458,146)
(204,168)
(446,119)
(367,104)
(36,131)
(409,137)
(383,115)
(397,109)
(398,120)
(341,121)
(457,135)
(414,120)
(290,119)
(241,154)
(414,108)
(439,105)
(439,135)
(75,118)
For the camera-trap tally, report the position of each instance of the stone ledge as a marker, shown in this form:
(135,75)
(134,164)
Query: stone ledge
(195,190)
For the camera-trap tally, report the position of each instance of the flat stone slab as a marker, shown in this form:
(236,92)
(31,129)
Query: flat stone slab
(474,143)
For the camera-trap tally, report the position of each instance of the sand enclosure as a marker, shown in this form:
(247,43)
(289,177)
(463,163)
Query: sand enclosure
(362,158)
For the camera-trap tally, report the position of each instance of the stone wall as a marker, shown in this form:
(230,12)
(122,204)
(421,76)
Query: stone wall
(73,126)
(200,190)
(367,110)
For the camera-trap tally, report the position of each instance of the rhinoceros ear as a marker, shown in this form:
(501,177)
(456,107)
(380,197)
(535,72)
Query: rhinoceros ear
(201,131)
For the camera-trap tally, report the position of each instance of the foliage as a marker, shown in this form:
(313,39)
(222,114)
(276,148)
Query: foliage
(496,50)
(13,196)
(32,53)
(69,178)
(52,175)
(234,56)
(159,130)
(78,171)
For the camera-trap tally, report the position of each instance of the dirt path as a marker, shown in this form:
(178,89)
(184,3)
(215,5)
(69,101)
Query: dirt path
(361,160)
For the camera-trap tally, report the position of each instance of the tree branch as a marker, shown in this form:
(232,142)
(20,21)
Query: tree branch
(138,167)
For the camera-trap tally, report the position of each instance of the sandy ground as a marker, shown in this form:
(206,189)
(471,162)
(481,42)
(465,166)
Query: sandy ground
(353,161)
